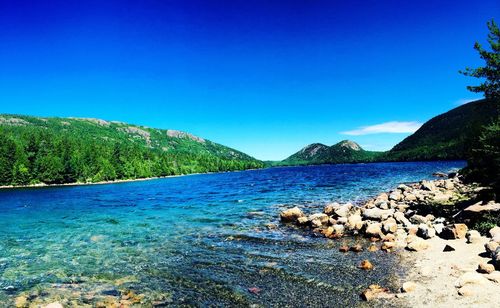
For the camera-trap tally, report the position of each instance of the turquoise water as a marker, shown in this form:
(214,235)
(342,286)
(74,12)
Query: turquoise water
(198,240)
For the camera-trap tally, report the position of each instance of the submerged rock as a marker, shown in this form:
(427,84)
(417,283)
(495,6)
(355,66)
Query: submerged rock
(344,248)
(366,265)
(303,220)
(375,291)
(334,231)
(254,290)
(388,246)
(356,248)
(53,305)
(21,301)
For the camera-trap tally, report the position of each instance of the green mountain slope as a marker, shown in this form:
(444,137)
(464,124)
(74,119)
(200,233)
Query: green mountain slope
(447,136)
(345,151)
(66,150)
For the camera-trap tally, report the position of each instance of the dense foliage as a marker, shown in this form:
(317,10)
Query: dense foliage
(484,161)
(345,151)
(450,135)
(490,72)
(67,150)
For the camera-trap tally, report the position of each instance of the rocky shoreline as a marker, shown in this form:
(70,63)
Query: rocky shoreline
(431,218)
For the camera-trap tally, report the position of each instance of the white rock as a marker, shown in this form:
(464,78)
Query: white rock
(438,227)
(319,219)
(374,229)
(494,231)
(417,244)
(491,247)
(354,222)
(409,286)
(377,214)
(342,220)
(426,232)
(390,225)
(427,185)
(343,210)
(473,236)
(418,219)
(395,195)
(400,218)
(470,278)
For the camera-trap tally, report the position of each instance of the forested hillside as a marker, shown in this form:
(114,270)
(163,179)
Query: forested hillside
(67,150)
(450,135)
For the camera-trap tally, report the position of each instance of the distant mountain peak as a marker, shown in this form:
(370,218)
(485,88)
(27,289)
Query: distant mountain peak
(312,149)
(349,145)
(345,151)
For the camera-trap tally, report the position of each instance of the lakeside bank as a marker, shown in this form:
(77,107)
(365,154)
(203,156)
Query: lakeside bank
(44,185)
(447,263)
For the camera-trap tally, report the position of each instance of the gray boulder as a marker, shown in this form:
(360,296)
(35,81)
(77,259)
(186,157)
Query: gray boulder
(377,214)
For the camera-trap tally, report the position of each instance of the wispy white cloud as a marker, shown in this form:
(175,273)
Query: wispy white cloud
(463,101)
(393,127)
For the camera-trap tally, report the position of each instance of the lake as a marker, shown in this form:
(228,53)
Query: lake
(199,240)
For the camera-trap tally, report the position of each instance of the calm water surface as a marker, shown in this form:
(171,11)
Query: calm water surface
(197,240)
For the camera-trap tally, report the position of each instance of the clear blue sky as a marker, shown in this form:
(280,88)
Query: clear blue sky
(264,77)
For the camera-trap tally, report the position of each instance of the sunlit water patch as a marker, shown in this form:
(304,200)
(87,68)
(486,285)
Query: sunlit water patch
(202,240)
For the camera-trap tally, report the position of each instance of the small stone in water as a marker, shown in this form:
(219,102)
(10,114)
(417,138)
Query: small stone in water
(254,290)
(111,292)
(21,301)
(366,265)
(344,249)
(357,248)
